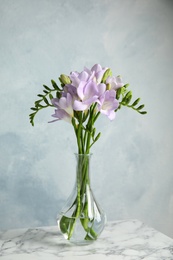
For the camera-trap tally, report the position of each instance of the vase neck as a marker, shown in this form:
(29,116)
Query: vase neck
(83,168)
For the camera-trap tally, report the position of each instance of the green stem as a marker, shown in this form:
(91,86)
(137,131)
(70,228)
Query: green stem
(77,212)
(88,143)
(82,180)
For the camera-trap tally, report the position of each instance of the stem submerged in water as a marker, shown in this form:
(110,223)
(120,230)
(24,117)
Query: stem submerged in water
(82,218)
(82,181)
(81,201)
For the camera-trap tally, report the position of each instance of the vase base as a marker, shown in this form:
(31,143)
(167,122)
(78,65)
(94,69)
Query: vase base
(82,243)
(76,231)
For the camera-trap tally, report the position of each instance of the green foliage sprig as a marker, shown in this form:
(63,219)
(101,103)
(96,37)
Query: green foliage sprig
(125,98)
(45,99)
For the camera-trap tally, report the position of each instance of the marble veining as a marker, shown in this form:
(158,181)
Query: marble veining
(121,240)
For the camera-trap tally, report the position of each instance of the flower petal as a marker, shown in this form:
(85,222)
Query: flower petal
(83,76)
(90,100)
(79,106)
(90,90)
(101,88)
(112,115)
(96,68)
(61,114)
(80,89)
(55,102)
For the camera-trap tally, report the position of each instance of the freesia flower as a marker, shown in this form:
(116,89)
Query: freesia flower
(64,108)
(77,77)
(94,74)
(108,103)
(114,82)
(88,94)
(98,72)
(61,114)
(71,90)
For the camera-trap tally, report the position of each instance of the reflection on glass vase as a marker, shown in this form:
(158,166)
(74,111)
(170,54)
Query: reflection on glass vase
(82,220)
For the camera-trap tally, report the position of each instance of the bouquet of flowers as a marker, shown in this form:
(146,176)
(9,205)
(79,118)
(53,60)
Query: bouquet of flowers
(82,97)
(79,99)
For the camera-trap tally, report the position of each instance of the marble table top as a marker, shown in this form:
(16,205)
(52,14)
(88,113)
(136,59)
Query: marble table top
(120,240)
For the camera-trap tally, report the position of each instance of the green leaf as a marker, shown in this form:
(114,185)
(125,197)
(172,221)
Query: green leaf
(93,132)
(126,85)
(45,100)
(143,112)
(140,107)
(39,105)
(46,87)
(50,96)
(31,115)
(136,102)
(126,100)
(55,86)
(97,137)
(58,94)
(121,91)
(38,101)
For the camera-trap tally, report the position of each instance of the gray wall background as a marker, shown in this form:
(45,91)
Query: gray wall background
(132,166)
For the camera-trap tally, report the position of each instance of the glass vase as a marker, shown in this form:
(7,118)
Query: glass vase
(82,220)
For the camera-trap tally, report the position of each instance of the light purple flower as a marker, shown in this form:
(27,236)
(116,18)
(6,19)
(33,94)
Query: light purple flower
(87,93)
(76,77)
(114,82)
(94,74)
(61,114)
(64,108)
(88,87)
(71,90)
(98,72)
(108,103)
